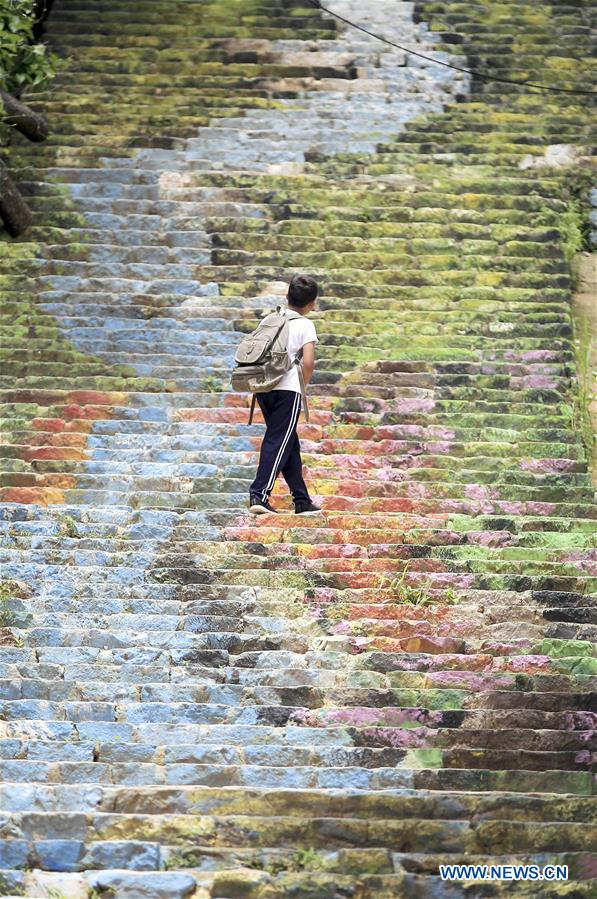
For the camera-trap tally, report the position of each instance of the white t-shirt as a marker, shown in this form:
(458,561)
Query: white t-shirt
(300,331)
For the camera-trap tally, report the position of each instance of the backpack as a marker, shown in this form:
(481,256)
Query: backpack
(262,358)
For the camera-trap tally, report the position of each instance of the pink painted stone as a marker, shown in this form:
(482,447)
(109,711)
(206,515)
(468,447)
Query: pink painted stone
(581,721)
(538,382)
(528,664)
(587,866)
(541,508)
(361,716)
(408,406)
(585,758)
(443,448)
(511,508)
(547,465)
(490,538)
(415,738)
(585,561)
(505,649)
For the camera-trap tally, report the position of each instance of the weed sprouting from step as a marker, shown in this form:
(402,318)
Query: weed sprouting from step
(10,889)
(211,385)
(301,860)
(586,387)
(7,616)
(55,893)
(11,590)
(67,526)
(182,859)
(307,859)
(101,892)
(403,593)
(572,238)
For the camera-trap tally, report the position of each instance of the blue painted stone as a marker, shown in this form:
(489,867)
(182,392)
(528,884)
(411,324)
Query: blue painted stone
(64,752)
(10,748)
(138,656)
(13,854)
(126,752)
(165,885)
(59,855)
(104,732)
(133,855)
(10,689)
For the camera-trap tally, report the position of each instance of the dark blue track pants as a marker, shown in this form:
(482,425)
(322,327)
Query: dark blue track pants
(280,450)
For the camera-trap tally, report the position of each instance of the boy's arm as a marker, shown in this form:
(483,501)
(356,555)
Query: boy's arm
(308,361)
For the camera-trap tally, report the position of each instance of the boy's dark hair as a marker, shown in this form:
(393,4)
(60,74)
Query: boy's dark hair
(302,290)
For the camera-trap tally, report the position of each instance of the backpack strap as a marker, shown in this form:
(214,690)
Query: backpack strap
(252,409)
(297,362)
(303,388)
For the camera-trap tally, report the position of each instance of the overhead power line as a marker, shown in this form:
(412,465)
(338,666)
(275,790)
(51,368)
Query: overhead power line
(449,65)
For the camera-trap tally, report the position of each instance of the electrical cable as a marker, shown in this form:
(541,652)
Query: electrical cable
(448,65)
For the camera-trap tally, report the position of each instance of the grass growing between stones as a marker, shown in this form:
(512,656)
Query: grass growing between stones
(12,591)
(584,422)
(405,594)
(67,526)
(7,615)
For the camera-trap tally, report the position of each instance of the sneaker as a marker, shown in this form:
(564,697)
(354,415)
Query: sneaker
(307,508)
(258,507)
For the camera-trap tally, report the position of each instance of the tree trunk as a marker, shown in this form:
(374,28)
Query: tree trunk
(14,212)
(31,124)
(41,11)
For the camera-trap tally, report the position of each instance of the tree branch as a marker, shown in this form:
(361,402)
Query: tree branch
(14,212)
(30,123)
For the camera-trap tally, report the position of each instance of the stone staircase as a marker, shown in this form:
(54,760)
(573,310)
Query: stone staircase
(195,704)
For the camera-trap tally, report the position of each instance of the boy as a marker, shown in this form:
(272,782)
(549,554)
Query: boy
(281,407)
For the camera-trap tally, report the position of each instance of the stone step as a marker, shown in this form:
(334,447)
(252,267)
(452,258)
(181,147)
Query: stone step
(569,607)
(172,447)
(221,859)
(541,750)
(574,622)
(260,776)
(288,701)
(145,850)
(382,442)
(179,885)
(41,885)
(344,573)
(107,800)
(291,558)
(201,479)
(112,516)
(229,503)
(281,670)
(161,463)
(69,534)
(358,398)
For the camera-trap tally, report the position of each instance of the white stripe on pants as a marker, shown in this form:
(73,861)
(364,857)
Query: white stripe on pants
(294,415)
